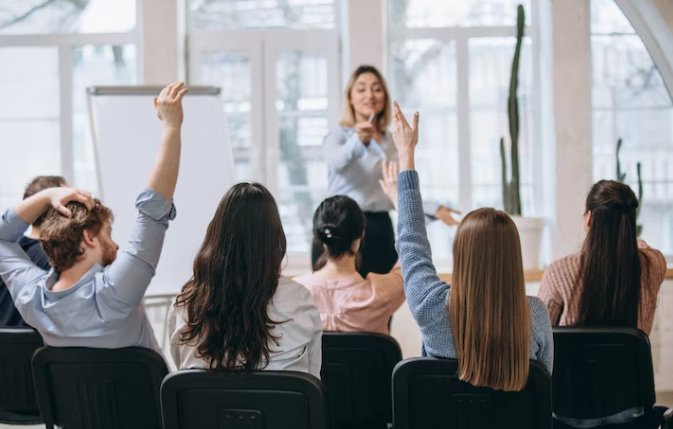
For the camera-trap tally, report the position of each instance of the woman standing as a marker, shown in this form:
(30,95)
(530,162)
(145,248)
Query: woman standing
(355,153)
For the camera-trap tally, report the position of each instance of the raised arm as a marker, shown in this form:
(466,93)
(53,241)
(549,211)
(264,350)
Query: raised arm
(130,275)
(426,294)
(164,175)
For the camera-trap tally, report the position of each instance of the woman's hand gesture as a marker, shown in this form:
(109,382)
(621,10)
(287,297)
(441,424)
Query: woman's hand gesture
(405,137)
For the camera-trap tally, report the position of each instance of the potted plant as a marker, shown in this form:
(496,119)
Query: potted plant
(530,229)
(621,178)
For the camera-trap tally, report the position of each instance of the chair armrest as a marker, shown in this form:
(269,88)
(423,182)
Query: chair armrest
(667,419)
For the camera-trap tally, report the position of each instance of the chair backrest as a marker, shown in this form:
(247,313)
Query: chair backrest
(82,388)
(17,392)
(229,400)
(428,394)
(356,369)
(601,371)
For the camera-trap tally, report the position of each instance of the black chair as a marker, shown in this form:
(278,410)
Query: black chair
(18,405)
(428,394)
(200,399)
(81,388)
(356,369)
(599,372)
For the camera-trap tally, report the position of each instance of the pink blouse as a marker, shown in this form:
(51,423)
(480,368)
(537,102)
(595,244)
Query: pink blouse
(354,304)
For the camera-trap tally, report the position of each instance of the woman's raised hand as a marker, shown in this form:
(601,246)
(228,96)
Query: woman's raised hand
(405,137)
(389,182)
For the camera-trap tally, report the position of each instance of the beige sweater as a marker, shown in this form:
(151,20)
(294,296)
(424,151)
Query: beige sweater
(561,293)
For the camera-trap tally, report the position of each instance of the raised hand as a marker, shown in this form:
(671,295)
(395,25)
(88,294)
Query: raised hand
(60,197)
(169,104)
(404,136)
(365,131)
(389,182)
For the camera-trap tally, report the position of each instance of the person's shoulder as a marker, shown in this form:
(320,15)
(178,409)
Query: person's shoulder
(340,132)
(291,290)
(537,306)
(567,265)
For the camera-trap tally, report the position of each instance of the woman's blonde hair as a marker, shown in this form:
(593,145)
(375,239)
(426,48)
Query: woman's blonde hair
(488,308)
(348,115)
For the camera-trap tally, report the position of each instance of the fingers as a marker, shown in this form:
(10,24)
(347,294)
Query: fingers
(455,211)
(394,169)
(399,114)
(383,186)
(182,94)
(175,89)
(84,198)
(416,121)
(62,209)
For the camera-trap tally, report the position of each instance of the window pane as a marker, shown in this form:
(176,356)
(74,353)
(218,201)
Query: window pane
(302,119)
(422,70)
(29,118)
(231,71)
(453,13)
(631,102)
(67,16)
(490,71)
(242,14)
(94,65)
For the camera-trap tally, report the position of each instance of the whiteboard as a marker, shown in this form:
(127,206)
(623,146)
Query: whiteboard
(126,134)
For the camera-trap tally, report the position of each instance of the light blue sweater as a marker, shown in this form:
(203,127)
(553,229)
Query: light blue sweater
(428,296)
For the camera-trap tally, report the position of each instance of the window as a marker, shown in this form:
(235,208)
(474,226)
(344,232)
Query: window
(277,64)
(630,101)
(452,60)
(50,51)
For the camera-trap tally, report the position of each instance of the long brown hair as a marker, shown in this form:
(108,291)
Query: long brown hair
(236,274)
(488,309)
(348,115)
(610,261)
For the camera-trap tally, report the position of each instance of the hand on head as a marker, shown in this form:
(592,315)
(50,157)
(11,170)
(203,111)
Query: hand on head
(389,182)
(60,197)
(169,104)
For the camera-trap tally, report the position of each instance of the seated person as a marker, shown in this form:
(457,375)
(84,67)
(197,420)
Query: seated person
(613,281)
(347,301)
(91,297)
(9,315)
(485,312)
(613,263)
(237,313)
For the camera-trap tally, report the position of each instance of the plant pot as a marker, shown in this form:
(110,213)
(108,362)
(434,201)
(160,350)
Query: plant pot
(530,233)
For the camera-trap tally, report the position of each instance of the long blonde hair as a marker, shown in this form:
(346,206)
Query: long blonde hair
(348,115)
(488,308)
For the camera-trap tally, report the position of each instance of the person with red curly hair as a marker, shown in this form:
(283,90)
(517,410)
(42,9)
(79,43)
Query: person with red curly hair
(92,297)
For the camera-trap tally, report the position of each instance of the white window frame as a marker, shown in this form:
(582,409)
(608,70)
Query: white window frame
(65,43)
(461,36)
(263,46)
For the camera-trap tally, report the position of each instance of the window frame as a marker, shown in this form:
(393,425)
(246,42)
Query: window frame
(461,37)
(262,46)
(65,43)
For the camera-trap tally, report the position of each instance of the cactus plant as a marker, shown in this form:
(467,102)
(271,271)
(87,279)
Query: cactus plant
(621,178)
(511,190)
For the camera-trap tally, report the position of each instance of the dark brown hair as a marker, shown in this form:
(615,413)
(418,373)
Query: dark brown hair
(40,183)
(337,222)
(610,261)
(236,274)
(488,309)
(61,237)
